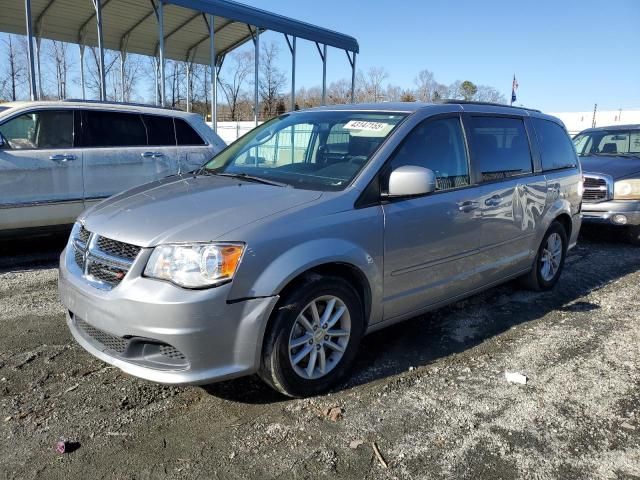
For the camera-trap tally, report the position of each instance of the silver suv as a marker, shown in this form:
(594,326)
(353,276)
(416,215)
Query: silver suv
(58,158)
(314,229)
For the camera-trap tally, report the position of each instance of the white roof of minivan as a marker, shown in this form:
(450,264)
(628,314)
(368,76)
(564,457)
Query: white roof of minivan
(116,106)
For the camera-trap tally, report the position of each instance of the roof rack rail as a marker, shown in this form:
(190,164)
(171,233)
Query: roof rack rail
(126,104)
(493,104)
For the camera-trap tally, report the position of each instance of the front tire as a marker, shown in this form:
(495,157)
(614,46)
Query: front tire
(312,337)
(549,261)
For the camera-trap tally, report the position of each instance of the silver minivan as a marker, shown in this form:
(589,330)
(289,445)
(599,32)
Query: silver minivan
(58,158)
(316,228)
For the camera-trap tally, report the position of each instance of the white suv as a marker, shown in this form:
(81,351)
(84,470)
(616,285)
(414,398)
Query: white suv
(58,158)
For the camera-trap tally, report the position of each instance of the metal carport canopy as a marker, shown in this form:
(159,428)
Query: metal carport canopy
(174,29)
(131,25)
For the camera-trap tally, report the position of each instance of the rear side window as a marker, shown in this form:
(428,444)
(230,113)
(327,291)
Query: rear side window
(556,149)
(112,129)
(186,135)
(439,146)
(500,147)
(45,130)
(159,130)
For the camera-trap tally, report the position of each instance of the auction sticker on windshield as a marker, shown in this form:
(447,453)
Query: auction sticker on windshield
(364,125)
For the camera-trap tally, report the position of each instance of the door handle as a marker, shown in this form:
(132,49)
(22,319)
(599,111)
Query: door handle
(493,201)
(152,155)
(467,206)
(62,158)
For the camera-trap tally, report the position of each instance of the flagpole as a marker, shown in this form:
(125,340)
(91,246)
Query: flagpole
(512,91)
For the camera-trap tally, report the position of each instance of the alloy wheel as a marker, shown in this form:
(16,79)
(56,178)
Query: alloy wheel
(319,337)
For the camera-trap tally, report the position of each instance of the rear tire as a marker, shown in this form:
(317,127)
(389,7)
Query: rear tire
(312,337)
(549,260)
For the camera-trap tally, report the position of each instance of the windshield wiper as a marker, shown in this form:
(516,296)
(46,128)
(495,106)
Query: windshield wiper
(250,178)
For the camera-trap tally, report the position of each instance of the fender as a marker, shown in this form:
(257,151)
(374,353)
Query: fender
(314,253)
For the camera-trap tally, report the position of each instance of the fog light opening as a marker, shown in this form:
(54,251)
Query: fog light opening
(619,219)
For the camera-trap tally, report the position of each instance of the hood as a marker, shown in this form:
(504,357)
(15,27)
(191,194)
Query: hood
(617,167)
(189,209)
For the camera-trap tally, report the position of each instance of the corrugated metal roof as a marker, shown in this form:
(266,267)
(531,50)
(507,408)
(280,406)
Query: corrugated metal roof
(131,25)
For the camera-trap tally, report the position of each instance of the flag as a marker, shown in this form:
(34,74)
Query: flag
(514,87)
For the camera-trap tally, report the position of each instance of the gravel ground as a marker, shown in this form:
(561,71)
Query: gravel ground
(429,394)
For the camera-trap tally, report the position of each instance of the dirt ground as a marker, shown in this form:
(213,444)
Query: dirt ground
(430,393)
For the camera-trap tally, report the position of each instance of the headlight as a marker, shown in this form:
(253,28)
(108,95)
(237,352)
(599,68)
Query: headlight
(627,190)
(195,266)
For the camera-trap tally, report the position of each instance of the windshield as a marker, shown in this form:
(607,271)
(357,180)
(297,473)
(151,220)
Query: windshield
(315,150)
(608,142)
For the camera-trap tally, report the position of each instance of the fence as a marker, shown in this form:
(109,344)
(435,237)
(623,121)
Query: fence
(231,131)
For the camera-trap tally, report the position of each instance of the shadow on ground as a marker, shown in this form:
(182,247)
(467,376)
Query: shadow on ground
(33,252)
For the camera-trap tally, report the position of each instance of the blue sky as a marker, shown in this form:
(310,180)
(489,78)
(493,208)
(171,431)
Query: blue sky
(567,55)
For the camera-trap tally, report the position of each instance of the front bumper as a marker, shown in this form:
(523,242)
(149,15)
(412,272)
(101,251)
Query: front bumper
(160,332)
(604,212)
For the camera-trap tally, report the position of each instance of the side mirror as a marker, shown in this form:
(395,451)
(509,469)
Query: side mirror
(411,180)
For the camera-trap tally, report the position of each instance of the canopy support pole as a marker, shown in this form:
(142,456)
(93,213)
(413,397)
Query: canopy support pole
(323,56)
(158,7)
(352,62)
(155,70)
(81,47)
(256,44)
(188,62)
(214,75)
(123,59)
(103,84)
(292,49)
(32,68)
(38,44)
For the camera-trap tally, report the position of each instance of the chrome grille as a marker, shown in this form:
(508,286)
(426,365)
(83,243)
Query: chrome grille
(596,189)
(79,258)
(104,262)
(112,342)
(105,273)
(83,235)
(118,249)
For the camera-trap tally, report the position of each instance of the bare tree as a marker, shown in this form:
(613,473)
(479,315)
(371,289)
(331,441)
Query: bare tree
(370,85)
(393,93)
(60,57)
(339,92)
(15,74)
(93,72)
(134,69)
(308,97)
(235,77)
(489,94)
(454,91)
(440,93)
(272,79)
(425,86)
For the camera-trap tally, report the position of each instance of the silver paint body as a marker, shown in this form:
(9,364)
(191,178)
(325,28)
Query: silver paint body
(415,254)
(40,188)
